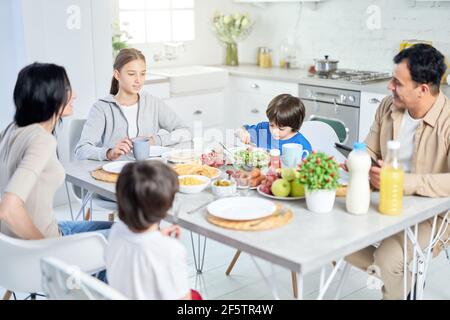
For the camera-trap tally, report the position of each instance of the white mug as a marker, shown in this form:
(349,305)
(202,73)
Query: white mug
(292,155)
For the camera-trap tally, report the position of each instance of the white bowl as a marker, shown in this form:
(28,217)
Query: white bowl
(222,191)
(195,188)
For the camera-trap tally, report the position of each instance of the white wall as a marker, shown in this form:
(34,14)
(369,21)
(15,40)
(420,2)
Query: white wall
(11,56)
(336,27)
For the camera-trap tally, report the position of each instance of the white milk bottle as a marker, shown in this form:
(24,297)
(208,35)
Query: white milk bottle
(358,190)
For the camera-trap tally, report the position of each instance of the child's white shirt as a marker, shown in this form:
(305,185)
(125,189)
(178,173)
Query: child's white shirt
(146,265)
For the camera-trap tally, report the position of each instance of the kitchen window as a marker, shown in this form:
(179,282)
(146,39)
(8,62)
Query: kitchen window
(156,21)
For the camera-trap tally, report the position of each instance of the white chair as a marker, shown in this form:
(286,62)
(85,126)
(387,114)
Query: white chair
(61,281)
(322,137)
(20,259)
(75,129)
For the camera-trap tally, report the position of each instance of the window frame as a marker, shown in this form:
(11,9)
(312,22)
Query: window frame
(171,10)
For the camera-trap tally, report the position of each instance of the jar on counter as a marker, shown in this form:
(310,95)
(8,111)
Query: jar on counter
(265,57)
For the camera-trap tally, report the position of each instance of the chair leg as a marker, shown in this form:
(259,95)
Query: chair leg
(233,262)
(294,284)
(7,295)
(87,216)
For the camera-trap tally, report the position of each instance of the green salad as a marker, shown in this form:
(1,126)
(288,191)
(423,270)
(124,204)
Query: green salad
(256,158)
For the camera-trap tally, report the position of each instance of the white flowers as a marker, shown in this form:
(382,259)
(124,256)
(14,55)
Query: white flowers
(231,27)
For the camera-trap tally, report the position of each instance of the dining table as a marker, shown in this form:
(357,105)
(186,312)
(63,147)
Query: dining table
(310,241)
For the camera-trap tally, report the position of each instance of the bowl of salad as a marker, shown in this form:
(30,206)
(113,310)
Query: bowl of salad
(249,159)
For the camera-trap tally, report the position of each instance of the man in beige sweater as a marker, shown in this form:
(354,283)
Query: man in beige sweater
(418,115)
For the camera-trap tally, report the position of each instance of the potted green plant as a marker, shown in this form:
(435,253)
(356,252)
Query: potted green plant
(120,39)
(319,173)
(230,28)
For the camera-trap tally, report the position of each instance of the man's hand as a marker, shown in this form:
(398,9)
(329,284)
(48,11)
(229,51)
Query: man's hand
(172,230)
(375,175)
(122,148)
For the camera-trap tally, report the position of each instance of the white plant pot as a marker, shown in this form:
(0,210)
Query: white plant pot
(320,201)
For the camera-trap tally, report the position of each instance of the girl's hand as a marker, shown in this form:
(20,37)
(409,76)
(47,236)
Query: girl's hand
(172,230)
(243,135)
(121,148)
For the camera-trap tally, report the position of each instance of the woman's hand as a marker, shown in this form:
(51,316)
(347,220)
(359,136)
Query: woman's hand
(121,148)
(375,175)
(243,135)
(172,230)
(14,214)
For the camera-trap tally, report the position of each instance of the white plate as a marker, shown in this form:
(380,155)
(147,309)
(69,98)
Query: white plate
(115,167)
(277,198)
(158,151)
(241,208)
(181,155)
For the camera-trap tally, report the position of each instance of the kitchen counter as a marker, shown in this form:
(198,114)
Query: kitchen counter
(301,76)
(151,78)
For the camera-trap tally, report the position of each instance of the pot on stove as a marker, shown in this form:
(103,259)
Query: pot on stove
(325,66)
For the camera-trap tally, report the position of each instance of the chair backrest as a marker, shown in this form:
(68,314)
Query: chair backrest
(75,130)
(337,125)
(61,281)
(322,137)
(20,259)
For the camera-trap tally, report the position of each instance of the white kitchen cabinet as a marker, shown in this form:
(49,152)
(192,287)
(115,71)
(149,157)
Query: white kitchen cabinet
(205,110)
(370,102)
(249,98)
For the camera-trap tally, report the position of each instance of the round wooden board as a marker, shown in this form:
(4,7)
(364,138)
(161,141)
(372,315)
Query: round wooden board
(102,175)
(274,221)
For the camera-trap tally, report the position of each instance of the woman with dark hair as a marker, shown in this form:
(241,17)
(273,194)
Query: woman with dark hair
(126,113)
(31,172)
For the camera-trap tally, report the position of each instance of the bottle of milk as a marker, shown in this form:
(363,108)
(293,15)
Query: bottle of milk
(358,190)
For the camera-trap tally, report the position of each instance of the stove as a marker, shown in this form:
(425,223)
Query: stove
(356,76)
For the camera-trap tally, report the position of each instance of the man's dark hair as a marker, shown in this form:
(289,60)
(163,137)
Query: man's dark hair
(426,64)
(286,111)
(41,91)
(145,192)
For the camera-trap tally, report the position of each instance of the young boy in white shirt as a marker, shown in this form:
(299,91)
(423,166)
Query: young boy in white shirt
(143,262)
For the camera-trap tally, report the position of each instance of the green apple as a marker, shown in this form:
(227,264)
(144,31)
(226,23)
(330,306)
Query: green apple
(297,189)
(288,174)
(281,188)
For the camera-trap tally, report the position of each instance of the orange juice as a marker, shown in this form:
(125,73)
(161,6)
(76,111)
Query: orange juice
(391,191)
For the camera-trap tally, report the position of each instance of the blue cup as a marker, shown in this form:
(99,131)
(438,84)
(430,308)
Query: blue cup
(141,148)
(293,154)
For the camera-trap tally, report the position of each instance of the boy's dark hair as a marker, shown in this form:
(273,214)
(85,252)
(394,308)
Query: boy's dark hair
(41,91)
(286,110)
(145,192)
(426,64)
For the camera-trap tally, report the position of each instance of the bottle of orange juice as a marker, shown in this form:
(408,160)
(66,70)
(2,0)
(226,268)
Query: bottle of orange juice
(391,182)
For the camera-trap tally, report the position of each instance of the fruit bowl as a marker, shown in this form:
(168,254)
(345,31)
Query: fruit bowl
(259,189)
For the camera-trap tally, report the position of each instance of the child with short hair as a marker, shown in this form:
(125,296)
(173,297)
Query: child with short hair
(143,262)
(286,114)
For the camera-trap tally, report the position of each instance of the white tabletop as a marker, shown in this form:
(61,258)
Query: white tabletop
(309,241)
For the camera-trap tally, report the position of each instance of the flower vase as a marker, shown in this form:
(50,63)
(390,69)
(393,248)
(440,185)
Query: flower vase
(231,58)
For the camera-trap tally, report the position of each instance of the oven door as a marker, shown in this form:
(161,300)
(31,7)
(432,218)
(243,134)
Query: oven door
(343,119)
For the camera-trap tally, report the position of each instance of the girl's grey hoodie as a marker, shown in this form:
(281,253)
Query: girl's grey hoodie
(106,125)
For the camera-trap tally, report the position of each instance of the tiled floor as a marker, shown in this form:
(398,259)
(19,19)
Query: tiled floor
(247,284)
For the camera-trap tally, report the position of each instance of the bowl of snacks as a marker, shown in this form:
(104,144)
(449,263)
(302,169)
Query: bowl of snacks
(223,188)
(193,183)
(251,158)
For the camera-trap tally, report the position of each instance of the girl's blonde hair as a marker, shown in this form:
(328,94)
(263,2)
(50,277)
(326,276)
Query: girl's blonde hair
(125,56)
